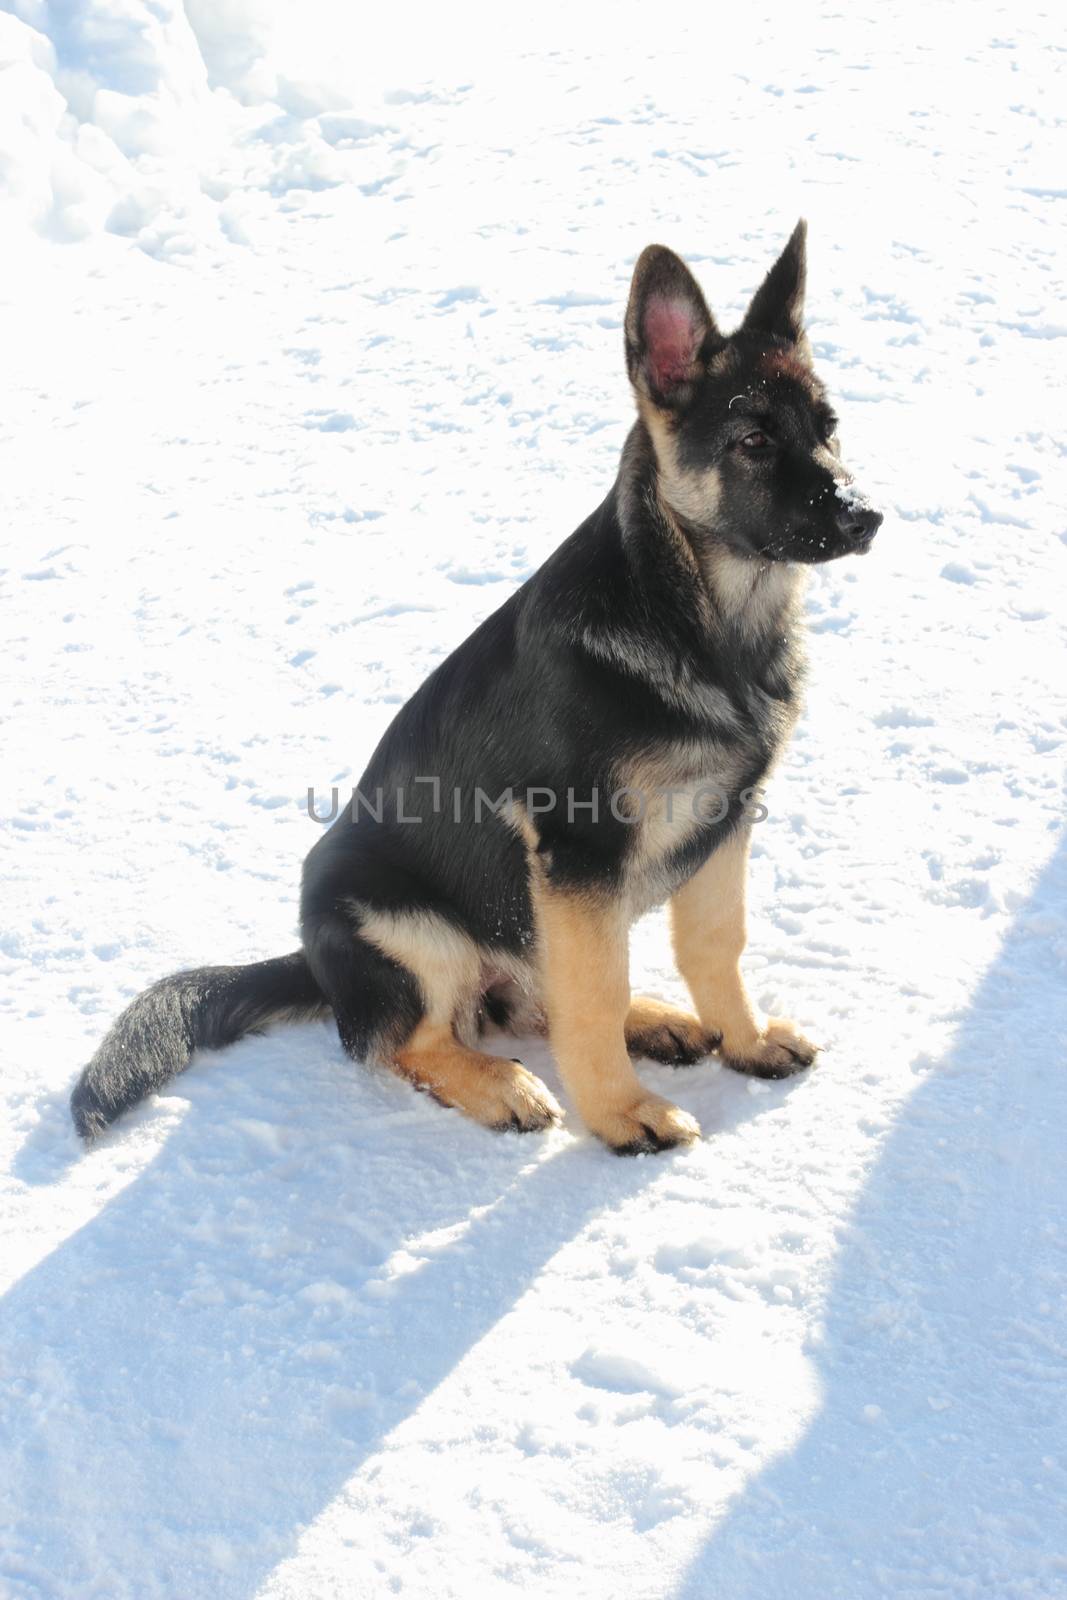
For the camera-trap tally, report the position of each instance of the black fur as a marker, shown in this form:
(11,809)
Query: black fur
(657,633)
(155,1037)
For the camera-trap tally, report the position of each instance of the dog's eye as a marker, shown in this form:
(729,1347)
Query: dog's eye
(757,440)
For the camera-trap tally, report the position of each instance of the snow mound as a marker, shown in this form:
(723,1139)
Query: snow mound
(141,120)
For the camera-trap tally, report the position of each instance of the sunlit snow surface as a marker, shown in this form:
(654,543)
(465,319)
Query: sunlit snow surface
(310,350)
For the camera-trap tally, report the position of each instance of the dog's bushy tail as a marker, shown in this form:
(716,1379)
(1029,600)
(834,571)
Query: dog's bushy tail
(155,1037)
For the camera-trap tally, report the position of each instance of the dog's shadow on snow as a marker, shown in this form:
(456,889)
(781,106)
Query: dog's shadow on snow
(204,1364)
(198,1371)
(935,1462)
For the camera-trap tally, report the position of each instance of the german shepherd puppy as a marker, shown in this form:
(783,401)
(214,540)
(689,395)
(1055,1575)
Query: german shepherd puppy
(590,751)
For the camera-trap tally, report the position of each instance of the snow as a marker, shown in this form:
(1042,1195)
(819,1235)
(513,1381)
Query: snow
(312,351)
(853,497)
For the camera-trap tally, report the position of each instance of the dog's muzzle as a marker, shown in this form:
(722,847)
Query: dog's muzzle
(857,520)
(857,527)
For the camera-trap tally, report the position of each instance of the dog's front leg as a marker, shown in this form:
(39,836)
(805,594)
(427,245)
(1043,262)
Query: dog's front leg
(584,948)
(709,928)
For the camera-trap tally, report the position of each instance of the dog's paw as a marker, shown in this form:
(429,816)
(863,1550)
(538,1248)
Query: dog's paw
(779,1051)
(521,1103)
(645,1125)
(665,1033)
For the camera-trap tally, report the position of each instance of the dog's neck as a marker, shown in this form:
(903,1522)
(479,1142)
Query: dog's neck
(742,593)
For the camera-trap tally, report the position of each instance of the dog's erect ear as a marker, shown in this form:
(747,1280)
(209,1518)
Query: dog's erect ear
(669,329)
(778,305)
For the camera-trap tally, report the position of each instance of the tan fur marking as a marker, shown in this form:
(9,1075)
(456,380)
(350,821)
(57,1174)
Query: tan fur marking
(755,595)
(585,965)
(693,495)
(724,361)
(496,1093)
(680,788)
(709,931)
(517,817)
(445,962)
(453,971)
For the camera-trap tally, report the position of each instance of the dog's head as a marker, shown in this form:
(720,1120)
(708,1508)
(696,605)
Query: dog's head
(745,439)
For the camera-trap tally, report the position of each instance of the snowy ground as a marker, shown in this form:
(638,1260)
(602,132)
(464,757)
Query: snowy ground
(311,350)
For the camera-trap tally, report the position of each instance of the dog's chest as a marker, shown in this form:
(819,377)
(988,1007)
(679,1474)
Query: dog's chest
(670,801)
(682,799)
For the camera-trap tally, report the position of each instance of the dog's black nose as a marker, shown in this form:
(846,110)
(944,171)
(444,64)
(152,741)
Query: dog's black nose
(858,524)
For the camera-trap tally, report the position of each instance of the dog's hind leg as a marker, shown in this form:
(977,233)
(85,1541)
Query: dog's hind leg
(376,1002)
(445,967)
(497,1093)
(584,946)
(709,928)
